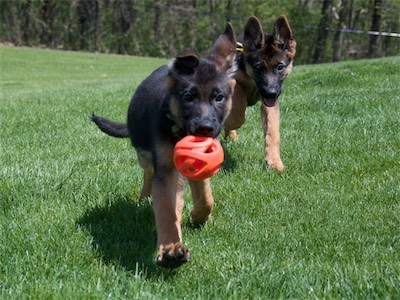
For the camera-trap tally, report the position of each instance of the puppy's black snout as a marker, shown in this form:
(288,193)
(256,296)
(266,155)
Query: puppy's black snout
(270,92)
(206,130)
(205,127)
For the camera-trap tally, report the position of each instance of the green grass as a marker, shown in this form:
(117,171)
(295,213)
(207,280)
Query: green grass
(71,226)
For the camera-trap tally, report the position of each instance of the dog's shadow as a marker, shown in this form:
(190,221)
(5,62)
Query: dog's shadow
(230,161)
(123,233)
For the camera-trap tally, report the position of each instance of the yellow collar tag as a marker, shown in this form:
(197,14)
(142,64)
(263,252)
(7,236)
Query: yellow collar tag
(239,47)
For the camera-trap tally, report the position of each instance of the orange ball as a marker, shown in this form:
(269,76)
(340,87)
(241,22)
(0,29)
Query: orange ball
(198,158)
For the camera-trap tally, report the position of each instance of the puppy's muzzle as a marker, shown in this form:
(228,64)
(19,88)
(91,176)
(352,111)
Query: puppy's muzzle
(205,128)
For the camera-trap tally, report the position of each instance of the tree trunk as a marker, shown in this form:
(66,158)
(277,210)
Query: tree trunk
(173,17)
(322,36)
(48,35)
(82,24)
(192,24)
(157,23)
(376,24)
(338,40)
(14,24)
(26,36)
(97,24)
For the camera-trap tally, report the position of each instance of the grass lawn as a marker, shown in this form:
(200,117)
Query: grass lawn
(71,226)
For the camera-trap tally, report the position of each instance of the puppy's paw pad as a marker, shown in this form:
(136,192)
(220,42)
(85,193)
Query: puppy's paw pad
(173,256)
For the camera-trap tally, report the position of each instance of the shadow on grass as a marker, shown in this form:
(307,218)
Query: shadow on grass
(124,233)
(229,164)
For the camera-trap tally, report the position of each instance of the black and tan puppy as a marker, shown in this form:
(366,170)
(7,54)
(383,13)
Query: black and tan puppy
(264,61)
(191,96)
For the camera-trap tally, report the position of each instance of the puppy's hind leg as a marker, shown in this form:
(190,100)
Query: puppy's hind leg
(232,134)
(179,196)
(145,162)
(237,114)
(147,180)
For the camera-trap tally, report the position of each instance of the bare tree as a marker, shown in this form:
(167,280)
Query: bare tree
(14,24)
(376,25)
(48,16)
(338,39)
(97,24)
(27,22)
(322,36)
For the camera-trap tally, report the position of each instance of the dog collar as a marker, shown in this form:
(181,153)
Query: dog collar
(175,128)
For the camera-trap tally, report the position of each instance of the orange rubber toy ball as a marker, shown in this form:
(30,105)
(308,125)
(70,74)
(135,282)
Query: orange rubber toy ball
(198,158)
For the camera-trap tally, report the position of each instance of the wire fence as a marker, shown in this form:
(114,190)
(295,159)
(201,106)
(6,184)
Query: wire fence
(346,30)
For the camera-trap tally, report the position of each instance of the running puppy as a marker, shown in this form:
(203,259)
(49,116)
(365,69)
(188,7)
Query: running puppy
(264,60)
(191,96)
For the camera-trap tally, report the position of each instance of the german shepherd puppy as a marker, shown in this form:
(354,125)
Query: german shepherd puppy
(192,96)
(264,61)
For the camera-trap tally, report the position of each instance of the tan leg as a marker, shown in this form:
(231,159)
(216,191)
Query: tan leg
(203,201)
(164,202)
(167,209)
(147,181)
(236,115)
(270,120)
(232,134)
(179,197)
(144,159)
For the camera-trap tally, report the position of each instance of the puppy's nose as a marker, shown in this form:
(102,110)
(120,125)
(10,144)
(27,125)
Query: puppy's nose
(271,92)
(205,129)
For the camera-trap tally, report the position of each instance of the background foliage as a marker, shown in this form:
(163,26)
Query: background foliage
(164,27)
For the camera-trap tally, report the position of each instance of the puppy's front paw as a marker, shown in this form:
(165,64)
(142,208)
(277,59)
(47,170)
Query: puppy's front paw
(173,255)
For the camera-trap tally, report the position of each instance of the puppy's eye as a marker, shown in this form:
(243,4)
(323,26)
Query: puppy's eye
(219,98)
(188,97)
(280,67)
(258,66)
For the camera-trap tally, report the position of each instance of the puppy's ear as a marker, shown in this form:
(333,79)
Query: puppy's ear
(253,35)
(185,62)
(283,36)
(224,49)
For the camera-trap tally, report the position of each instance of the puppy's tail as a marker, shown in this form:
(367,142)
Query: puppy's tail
(118,130)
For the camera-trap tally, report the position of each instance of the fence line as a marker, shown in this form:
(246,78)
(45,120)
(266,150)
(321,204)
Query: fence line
(391,34)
